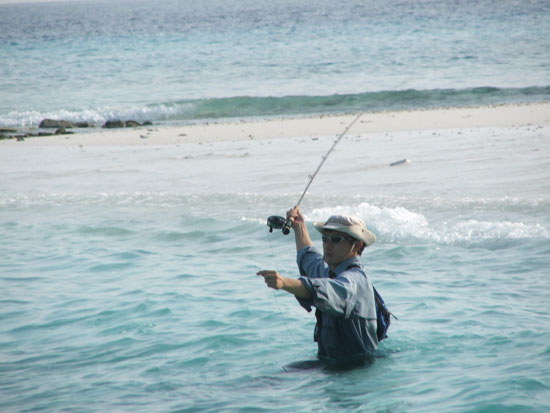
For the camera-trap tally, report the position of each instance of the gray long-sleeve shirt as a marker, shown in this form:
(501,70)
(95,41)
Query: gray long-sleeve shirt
(346,320)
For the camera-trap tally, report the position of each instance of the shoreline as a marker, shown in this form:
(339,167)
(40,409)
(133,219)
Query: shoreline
(507,115)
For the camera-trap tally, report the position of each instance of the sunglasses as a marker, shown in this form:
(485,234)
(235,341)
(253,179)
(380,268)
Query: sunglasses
(334,239)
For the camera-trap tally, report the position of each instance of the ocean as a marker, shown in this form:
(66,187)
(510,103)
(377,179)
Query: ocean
(127,273)
(187,61)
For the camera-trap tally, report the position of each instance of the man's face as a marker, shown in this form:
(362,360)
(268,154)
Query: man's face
(336,252)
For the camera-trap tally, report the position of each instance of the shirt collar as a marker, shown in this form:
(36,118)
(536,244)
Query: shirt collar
(344,265)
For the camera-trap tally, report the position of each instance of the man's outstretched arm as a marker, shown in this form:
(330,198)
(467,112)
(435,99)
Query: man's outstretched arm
(291,285)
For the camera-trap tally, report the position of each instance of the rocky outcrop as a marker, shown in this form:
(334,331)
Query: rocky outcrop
(21,135)
(55,124)
(116,123)
(62,131)
(110,124)
(58,123)
(83,125)
(61,128)
(124,124)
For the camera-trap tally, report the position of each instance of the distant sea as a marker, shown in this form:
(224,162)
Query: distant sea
(127,273)
(185,61)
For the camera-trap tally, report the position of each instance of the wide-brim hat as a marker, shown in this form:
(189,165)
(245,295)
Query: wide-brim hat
(350,225)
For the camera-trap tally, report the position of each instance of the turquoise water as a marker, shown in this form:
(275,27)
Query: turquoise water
(128,274)
(182,60)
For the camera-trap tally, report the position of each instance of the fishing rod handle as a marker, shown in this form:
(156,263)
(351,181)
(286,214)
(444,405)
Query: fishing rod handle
(288,225)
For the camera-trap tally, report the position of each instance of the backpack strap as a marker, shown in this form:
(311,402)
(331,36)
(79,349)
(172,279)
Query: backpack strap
(383,314)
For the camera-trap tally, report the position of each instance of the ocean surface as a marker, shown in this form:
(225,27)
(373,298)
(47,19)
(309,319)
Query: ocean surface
(187,61)
(127,273)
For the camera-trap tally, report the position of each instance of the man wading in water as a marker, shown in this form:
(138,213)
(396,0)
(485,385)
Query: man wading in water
(334,283)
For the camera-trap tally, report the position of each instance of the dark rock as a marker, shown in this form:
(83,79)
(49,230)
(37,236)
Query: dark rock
(62,131)
(54,124)
(45,134)
(83,125)
(132,124)
(147,123)
(114,124)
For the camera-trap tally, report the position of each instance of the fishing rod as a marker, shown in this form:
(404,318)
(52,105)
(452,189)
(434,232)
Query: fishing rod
(279,222)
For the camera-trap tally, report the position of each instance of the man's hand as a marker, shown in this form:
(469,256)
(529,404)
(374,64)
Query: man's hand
(299,226)
(296,216)
(276,281)
(272,279)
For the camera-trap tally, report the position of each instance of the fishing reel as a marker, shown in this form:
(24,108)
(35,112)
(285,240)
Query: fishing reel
(278,222)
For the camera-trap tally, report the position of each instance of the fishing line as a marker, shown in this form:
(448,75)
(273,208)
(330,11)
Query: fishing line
(275,296)
(278,222)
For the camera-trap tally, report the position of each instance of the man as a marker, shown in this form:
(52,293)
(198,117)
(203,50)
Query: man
(335,284)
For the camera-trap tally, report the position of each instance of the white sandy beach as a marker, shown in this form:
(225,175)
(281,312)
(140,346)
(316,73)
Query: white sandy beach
(326,125)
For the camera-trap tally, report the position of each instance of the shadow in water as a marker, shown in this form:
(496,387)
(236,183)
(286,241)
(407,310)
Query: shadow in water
(330,366)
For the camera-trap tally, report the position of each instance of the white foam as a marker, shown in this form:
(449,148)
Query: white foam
(98,116)
(395,224)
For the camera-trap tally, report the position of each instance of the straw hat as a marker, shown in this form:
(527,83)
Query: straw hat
(350,225)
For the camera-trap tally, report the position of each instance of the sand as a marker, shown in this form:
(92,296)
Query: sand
(326,125)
